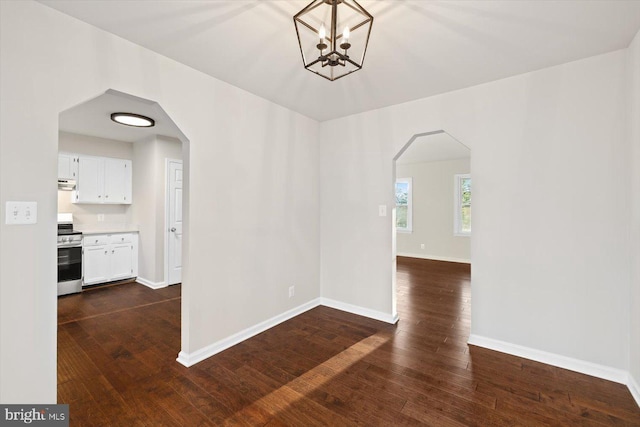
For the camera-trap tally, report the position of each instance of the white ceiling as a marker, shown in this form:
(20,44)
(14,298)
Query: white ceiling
(93,118)
(434,148)
(417,48)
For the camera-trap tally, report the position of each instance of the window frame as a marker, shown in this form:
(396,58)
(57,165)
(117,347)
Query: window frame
(409,227)
(457,205)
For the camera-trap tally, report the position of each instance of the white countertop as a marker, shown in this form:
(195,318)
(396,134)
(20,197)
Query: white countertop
(107,229)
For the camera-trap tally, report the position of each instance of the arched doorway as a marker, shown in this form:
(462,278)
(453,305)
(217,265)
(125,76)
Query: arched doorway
(87,133)
(432,215)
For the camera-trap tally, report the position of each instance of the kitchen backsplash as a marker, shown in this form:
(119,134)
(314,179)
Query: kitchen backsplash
(87,214)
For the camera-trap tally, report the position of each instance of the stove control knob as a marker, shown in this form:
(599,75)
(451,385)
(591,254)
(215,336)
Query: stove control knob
(65,239)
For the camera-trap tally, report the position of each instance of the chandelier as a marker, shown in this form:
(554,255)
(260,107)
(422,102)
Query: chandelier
(333,36)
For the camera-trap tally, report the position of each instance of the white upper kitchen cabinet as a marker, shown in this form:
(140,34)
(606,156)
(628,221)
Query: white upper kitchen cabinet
(103,180)
(117,181)
(90,184)
(67,166)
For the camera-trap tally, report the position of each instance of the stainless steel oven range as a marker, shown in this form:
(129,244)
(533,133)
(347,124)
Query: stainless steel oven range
(69,256)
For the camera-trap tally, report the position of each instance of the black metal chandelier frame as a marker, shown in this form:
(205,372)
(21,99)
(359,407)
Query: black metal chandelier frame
(333,54)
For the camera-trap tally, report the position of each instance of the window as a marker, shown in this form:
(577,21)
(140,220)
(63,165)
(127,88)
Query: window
(403,204)
(462,207)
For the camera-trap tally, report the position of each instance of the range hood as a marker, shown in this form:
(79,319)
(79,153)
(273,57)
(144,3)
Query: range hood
(66,184)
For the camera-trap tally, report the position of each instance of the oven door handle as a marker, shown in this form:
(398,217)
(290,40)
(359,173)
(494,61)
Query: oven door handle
(69,245)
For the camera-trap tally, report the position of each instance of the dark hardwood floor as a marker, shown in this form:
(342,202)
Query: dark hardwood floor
(117,348)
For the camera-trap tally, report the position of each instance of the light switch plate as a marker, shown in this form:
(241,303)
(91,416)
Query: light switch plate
(12,213)
(382,210)
(30,212)
(18,213)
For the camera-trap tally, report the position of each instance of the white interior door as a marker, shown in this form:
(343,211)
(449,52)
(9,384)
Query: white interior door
(174,232)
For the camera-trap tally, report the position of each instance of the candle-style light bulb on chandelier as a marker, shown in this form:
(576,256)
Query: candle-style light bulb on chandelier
(333,36)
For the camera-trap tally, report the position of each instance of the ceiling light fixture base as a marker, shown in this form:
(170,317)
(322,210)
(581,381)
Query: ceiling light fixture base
(132,119)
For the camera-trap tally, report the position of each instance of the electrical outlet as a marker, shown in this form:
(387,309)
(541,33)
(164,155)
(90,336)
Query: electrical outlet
(100,217)
(421,245)
(292,291)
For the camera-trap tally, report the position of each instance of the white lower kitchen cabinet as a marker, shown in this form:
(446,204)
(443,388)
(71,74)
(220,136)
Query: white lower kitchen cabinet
(95,263)
(109,257)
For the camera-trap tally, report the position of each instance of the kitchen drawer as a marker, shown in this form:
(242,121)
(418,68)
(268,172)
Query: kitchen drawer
(96,240)
(120,238)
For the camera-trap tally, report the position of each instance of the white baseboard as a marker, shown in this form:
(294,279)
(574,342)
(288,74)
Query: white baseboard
(360,311)
(150,284)
(634,388)
(190,359)
(434,257)
(576,365)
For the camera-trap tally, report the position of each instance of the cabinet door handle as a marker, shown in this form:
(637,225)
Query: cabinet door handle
(105,252)
(113,251)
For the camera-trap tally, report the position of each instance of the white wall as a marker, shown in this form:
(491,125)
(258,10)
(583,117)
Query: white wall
(433,210)
(93,146)
(148,209)
(87,214)
(550,247)
(551,255)
(252,188)
(634,128)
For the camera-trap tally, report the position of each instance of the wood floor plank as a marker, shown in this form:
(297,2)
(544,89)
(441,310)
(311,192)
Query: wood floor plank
(429,416)
(200,399)
(117,349)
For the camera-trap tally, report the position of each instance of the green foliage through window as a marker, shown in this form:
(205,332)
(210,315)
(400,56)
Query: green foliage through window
(403,204)
(463,225)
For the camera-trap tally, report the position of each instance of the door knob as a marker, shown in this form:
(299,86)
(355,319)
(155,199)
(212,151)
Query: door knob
(173,229)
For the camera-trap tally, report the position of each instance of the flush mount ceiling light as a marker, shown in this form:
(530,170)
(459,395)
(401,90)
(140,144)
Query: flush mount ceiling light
(131,119)
(333,37)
